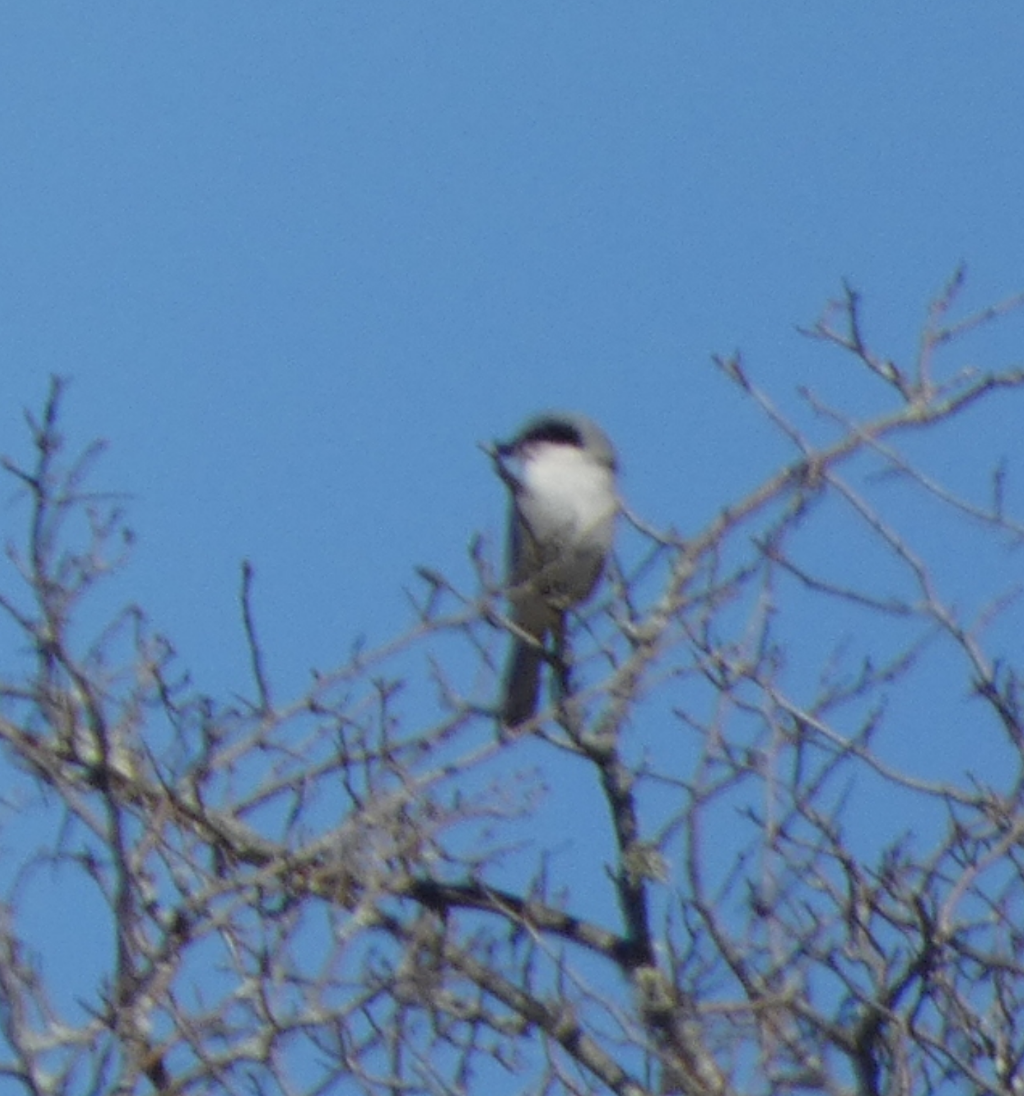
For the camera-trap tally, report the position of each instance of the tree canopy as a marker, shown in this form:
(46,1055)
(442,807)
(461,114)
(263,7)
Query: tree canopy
(795,743)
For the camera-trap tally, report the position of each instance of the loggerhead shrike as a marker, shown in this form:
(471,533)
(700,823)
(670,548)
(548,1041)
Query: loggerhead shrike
(561,523)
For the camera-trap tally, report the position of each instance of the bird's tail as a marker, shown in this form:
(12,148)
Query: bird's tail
(522,683)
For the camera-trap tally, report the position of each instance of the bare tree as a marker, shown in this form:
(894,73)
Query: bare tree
(788,879)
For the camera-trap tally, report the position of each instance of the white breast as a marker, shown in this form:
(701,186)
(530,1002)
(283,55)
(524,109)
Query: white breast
(567,497)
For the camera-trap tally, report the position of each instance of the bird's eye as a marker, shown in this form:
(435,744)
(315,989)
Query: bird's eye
(554,430)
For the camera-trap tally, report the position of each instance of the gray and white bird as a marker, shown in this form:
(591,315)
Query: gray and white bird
(561,525)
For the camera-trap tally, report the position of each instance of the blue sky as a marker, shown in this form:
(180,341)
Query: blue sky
(299,259)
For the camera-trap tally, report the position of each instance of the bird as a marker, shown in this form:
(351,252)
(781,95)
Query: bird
(560,469)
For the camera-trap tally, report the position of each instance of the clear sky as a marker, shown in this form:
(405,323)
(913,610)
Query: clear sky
(300,259)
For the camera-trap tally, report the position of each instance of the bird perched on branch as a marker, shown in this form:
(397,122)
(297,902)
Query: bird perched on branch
(560,471)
